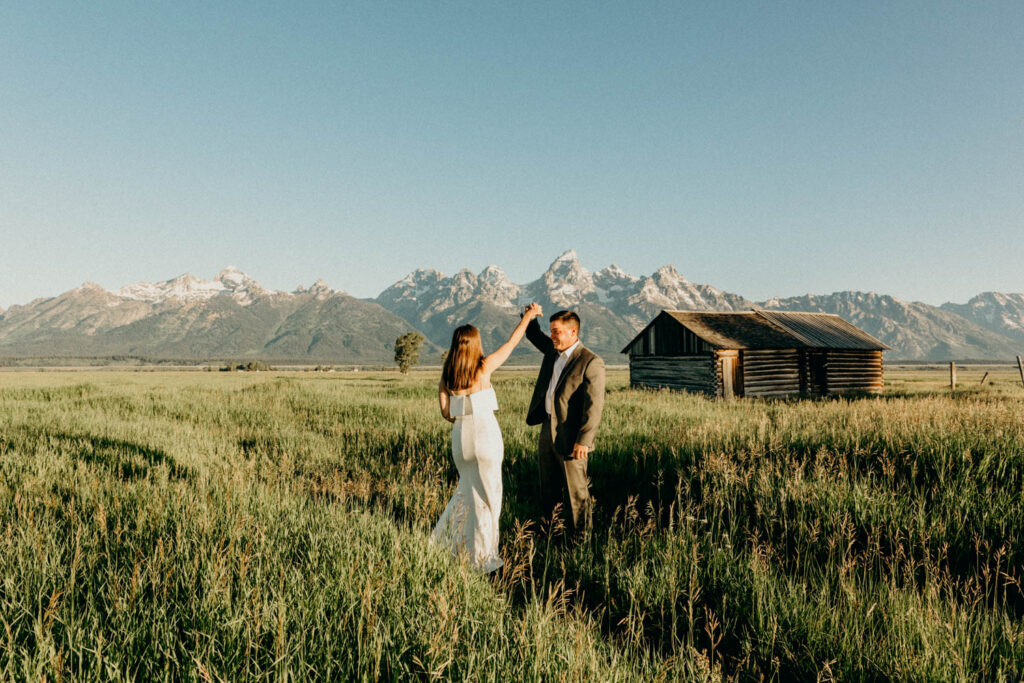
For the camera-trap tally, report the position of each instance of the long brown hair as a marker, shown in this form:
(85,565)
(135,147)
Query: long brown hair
(465,359)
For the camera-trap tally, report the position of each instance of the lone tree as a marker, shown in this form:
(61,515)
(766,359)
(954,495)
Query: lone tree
(407,350)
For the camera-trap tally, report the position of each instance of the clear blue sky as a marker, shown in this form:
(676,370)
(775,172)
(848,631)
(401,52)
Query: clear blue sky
(767,149)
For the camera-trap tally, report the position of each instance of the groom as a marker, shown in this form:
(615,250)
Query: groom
(567,403)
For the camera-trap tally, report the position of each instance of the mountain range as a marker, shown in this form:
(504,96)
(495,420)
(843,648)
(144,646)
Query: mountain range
(234,317)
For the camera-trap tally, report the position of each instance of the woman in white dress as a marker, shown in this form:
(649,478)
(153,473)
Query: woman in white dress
(469,524)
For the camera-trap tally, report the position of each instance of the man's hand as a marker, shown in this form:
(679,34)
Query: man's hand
(579,451)
(534,310)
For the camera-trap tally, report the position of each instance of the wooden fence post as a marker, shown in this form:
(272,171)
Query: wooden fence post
(983,378)
(1020,366)
(952,375)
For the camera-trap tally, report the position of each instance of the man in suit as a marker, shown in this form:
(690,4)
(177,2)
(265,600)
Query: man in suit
(567,403)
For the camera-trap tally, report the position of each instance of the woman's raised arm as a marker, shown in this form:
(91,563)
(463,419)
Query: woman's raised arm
(495,360)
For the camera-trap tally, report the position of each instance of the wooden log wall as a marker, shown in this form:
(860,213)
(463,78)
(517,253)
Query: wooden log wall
(642,345)
(689,373)
(672,339)
(666,337)
(854,371)
(771,372)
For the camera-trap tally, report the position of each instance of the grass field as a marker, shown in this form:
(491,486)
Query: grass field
(209,526)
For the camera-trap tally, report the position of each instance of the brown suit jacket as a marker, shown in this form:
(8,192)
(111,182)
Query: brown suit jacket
(579,396)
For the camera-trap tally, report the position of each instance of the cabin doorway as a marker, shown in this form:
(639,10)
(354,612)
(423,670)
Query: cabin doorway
(817,375)
(729,367)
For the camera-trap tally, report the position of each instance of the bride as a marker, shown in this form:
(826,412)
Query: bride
(469,524)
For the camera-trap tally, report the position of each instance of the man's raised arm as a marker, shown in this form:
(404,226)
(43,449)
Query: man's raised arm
(537,337)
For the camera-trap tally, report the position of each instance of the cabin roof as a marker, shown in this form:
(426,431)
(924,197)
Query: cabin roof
(770,330)
(823,330)
(732,330)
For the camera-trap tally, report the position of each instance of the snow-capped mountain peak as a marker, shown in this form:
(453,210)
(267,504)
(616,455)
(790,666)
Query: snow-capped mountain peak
(567,256)
(88,286)
(493,284)
(421,276)
(320,289)
(183,288)
(203,316)
(613,283)
(234,279)
(188,288)
(566,282)
(995,311)
(493,273)
(670,273)
(613,272)
(566,264)
(423,294)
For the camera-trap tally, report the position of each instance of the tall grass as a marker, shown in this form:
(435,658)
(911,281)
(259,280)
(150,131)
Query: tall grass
(207,527)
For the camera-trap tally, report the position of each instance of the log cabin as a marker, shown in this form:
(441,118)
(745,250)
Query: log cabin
(756,353)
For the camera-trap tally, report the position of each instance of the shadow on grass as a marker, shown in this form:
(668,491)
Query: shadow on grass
(125,459)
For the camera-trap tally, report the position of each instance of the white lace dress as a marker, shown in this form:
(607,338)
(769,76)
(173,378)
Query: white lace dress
(469,524)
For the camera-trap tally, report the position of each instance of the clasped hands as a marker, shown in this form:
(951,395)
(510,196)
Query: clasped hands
(533,311)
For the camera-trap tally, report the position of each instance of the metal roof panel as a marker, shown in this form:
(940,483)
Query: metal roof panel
(734,330)
(823,330)
(763,329)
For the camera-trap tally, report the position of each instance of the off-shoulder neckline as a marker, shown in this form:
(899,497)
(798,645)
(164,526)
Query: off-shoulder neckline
(473,393)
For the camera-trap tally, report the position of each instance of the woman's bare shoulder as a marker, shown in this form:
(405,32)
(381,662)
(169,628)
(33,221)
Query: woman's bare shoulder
(481,386)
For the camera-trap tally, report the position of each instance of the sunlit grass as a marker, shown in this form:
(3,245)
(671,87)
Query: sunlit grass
(235,526)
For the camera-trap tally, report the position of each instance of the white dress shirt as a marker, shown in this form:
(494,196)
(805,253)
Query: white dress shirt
(556,373)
